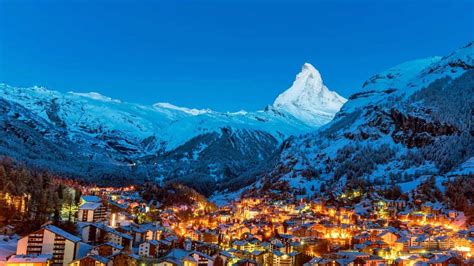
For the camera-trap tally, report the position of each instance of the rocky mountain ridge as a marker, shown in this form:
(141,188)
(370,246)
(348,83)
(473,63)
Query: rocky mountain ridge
(96,137)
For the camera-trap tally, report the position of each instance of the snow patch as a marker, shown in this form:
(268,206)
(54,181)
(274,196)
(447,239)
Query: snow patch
(95,96)
(191,111)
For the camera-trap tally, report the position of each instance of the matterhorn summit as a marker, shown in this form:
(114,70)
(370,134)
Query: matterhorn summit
(308,99)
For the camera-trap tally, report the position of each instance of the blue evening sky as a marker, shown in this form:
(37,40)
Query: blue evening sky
(221,54)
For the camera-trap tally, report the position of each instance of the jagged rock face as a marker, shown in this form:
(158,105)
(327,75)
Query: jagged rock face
(92,136)
(416,132)
(309,99)
(411,120)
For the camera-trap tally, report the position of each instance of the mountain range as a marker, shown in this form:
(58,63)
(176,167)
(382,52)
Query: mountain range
(98,138)
(409,122)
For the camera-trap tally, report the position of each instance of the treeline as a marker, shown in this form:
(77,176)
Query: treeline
(41,193)
(458,194)
(450,102)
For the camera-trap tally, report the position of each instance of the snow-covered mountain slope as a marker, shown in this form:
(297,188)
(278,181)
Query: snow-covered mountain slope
(307,105)
(164,126)
(159,142)
(308,99)
(413,120)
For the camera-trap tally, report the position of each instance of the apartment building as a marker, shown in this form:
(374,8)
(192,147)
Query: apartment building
(50,240)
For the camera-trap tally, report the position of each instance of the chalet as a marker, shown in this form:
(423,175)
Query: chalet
(30,260)
(388,237)
(397,204)
(149,248)
(283,259)
(246,262)
(94,260)
(124,259)
(444,242)
(247,245)
(96,233)
(223,258)
(201,258)
(194,234)
(445,260)
(152,231)
(259,256)
(370,261)
(403,215)
(178,257)
(427,207)
(142,232)
(107,249)
(210,236)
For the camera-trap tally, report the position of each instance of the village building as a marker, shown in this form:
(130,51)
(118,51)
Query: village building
(30,260)
(92,212)
(91,260)
(51,240)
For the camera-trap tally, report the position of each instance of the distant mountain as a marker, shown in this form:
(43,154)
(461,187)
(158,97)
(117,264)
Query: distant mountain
(410,122)
(309,99)
(96,137)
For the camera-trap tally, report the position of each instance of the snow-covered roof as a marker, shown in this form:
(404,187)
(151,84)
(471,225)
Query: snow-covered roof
(61,232)
(107,229)
(7,248)
(30,258)
(96,258)
(90,206)
(90,198)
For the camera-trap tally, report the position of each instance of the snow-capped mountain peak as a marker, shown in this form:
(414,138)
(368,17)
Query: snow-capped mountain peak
(308,99)
(311,75)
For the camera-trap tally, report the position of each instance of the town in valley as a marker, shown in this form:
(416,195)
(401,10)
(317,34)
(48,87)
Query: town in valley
(128,226)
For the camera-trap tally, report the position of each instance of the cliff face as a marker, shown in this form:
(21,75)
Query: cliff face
(413,131)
